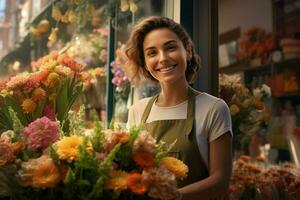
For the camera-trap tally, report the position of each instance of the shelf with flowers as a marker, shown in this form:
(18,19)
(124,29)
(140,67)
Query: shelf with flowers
(249,110)
(255,46)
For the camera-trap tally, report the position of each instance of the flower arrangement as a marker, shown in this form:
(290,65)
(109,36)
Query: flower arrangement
(259,180)
(42,161)
(49,91)
(248,109)
(255,43)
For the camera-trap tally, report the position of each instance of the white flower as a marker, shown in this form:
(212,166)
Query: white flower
(266,89)
(7,135)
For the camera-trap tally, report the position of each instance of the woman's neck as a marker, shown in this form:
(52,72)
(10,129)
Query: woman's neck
(172,95)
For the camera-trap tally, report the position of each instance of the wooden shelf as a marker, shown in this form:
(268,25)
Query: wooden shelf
(289,95)
(244,67)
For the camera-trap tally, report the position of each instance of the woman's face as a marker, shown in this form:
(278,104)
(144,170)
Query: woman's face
(165,56)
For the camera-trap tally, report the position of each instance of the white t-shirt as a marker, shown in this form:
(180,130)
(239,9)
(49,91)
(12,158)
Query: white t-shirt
(212,118)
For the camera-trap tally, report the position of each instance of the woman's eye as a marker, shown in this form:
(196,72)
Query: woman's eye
(151,53)
(171,48)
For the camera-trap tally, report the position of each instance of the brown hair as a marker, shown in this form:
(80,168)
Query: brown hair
(134,47)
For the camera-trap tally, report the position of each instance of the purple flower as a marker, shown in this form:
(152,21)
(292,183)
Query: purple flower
(40,133)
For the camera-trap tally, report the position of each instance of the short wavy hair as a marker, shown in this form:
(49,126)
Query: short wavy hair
(135,54)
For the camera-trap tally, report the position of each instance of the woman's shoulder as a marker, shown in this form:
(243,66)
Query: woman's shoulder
(140,104)
(210,103)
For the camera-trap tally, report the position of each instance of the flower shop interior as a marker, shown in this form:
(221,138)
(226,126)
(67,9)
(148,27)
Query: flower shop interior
(63,60)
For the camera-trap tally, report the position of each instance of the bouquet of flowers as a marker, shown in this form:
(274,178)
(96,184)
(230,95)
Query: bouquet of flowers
(41,161)
(49,91)
(255,43)
(259,180)
(248,110)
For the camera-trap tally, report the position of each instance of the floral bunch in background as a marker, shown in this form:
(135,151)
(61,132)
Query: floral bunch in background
(255,43)
(43,161)
(259,180)
(91,48)
(120,80)
(48,91)
(248,109)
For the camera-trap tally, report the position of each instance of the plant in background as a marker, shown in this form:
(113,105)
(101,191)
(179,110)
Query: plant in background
(255,43)
(248,109)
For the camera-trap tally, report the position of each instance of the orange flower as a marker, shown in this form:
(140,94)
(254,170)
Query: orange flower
(143,159)
(257,103)
(38,94)
(28,105)
(175,166)
(46,175)
(118,180)
(17,147)
(136,184)
(245,158)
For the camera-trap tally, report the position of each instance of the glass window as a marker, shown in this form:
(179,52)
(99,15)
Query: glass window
(2,10)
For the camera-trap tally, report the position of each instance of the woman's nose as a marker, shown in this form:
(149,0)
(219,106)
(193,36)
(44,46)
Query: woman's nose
(163,56)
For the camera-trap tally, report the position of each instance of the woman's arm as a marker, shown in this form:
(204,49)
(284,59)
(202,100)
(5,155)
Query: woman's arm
(220,166)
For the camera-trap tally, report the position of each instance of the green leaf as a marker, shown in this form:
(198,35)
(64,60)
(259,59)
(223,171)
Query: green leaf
(39,110)
(62,101)
(15,105)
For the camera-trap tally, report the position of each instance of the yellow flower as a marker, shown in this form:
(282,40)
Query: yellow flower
(52,79)
(46,174)
(124,5)
(133,6)
(72,16)
(67,147)
(38,94)
(43,26)
(28,105)
(118,180)
(234,109)
(56,13)
(175,166)
(65,17)
(53,35)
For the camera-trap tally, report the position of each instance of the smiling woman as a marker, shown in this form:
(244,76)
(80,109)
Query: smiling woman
(198,122)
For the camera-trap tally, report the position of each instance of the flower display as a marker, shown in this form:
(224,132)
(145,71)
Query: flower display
(254,43)
(260,180)
(248,109)
(48,91)
(43,160)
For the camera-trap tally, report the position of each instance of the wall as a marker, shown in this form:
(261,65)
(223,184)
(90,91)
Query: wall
(245,13)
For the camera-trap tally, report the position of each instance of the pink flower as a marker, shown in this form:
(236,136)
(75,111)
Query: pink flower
(40,133)
(49,112)
(6,153)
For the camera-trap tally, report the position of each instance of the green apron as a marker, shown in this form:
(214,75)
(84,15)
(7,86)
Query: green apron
(182,130)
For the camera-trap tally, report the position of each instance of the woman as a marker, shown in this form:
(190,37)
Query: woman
(198,122)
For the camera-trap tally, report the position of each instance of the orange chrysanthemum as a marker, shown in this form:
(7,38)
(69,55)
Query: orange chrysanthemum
(38,94)
(67,147)
(17,147)
(143,159)
(136,184)
(175,166)
(245,158)
(46,175)
(118,180)
(258,103)
(28,105)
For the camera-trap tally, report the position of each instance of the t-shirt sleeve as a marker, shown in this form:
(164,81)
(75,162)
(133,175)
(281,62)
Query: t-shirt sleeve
(220,120)
(131,118)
